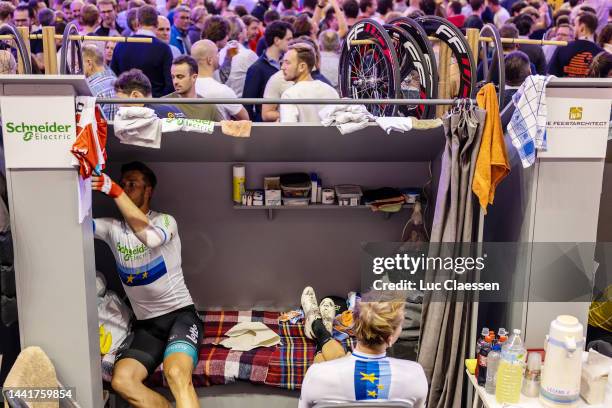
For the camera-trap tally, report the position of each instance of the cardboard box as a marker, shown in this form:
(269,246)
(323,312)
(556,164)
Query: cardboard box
(272,191)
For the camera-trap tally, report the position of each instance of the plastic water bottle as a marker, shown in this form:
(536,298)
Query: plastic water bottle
(483,333)
(482,362)
(503,335)
(510,372)
(492,365)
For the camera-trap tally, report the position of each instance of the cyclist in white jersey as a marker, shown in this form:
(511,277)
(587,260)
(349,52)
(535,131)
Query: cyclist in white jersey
(147,252)
(367,373)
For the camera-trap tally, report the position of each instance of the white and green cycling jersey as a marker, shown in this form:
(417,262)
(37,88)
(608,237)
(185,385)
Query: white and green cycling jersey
(152,276)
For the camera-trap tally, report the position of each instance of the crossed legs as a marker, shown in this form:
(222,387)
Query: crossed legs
(318,326)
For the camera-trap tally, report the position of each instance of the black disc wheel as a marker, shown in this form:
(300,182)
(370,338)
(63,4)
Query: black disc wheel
(71,57)
(19,45)
(493,67)
(369,67)
(446,32)
(413,71)
(430,82)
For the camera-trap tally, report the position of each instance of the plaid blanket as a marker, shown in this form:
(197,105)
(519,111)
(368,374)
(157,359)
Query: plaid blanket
(292,358)
(283,366)
(219,365)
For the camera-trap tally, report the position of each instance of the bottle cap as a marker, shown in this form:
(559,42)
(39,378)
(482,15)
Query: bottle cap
(484,331)
(516,331)
(497,347)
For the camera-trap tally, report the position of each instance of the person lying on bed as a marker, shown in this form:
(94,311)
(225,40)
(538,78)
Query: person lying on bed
(147,251)
(367,373)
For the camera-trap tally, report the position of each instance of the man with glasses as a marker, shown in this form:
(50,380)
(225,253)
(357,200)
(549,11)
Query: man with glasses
(108,14)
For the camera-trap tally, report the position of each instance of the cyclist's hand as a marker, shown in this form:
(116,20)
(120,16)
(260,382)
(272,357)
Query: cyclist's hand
(106,185)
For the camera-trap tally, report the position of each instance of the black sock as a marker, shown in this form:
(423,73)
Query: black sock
(322,336)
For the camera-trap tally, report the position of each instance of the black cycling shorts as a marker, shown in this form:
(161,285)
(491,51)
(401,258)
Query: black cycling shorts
(152,340)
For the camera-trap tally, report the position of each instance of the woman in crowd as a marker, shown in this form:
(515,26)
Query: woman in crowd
(109,47)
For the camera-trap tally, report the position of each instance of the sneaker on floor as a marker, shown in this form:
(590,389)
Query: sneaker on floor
(311,310)
(328,313)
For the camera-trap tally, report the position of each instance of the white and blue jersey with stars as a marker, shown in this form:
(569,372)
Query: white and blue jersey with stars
(359,377)
(152,277)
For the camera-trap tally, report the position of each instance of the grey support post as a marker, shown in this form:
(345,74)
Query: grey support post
(54,255)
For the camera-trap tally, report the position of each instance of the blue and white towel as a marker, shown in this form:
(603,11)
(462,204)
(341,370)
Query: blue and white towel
(527,127)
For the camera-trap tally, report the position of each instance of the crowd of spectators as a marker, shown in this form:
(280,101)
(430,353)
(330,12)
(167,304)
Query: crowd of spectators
(289,48)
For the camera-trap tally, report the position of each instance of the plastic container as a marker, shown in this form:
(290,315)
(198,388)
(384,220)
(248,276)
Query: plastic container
(314,187)
(503,335)
(483,333)
(348,194)
(296,185)
(510,371)
(482,364)
(493,360)
(238,182)
(560,384)
(531,383)
(296,202)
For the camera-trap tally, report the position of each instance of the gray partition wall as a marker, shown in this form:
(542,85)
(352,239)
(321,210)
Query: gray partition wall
(241,259)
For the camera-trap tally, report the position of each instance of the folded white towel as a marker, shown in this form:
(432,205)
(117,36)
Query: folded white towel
(399,124)
(138,126)
(246,336)
(347,118)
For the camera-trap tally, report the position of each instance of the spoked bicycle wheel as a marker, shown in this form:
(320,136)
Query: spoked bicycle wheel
(430,82)
(369,67)
(413,71)
(446,32)
(19,46)
(493,68)
(71,58)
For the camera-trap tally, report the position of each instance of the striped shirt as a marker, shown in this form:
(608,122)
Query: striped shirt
(102,86)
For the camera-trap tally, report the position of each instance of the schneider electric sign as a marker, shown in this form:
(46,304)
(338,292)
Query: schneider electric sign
(38,131)
(48,131)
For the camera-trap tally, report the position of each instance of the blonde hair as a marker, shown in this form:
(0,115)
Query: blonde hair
(377,316)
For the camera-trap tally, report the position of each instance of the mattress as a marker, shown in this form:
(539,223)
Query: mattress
(282,366)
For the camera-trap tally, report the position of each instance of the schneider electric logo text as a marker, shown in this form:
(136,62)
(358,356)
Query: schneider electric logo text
(47,131)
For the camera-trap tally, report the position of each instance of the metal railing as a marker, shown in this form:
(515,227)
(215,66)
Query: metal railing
(274,101)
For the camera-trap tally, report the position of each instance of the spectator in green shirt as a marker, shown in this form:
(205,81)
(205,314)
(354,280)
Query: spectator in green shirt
(184,72)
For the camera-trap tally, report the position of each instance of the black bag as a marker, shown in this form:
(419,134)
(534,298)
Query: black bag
(7,280)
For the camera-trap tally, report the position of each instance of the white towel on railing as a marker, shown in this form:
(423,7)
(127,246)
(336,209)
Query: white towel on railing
(399,124)
(347,118)
(187,125)
(138,126)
